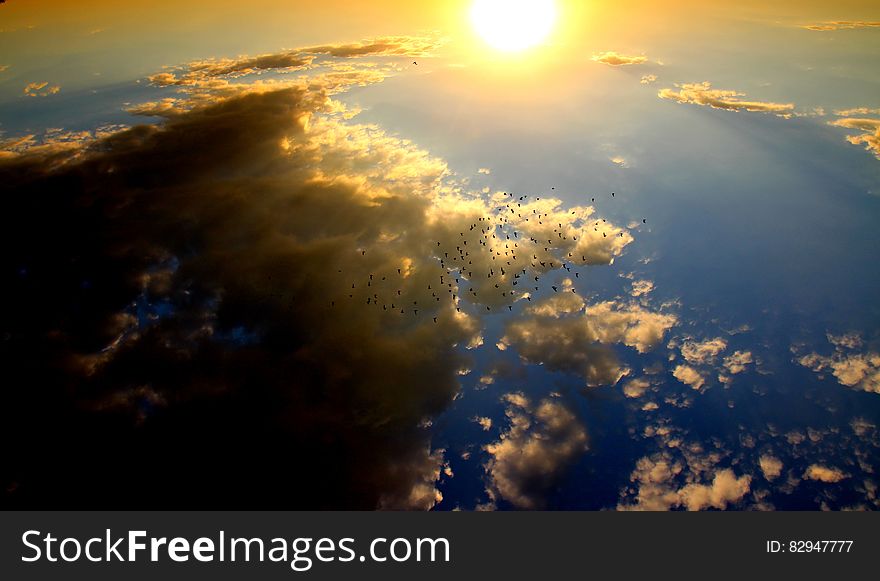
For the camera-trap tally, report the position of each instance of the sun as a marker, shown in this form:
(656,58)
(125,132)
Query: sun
(513,25)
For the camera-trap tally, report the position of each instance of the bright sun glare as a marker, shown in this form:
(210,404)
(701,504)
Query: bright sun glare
(513,25)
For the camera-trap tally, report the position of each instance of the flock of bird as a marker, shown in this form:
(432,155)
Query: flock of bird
(504,270)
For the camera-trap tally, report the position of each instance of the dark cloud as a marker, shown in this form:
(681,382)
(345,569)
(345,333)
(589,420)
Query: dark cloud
(171,324)
(250,304)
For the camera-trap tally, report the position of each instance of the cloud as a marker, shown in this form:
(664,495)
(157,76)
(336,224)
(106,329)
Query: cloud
(703,353)
(738,362)
(616,59)
(841,25)
(851,368)
(264,275)
(484,422)
(631,325)
(824,474)
(688,375)
(40,89)
(213,300)
(870,136)
(847,340)
(484,171)
(725,488)
(704,94)
(641,288)
(565,334)
(532,455)
(658,484)
(648,79)
(770,466)
(856,111)
(636,387)
(4,68)
(201,71)
(206,69)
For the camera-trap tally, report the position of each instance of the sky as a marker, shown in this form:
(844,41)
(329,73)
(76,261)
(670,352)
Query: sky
(338,255)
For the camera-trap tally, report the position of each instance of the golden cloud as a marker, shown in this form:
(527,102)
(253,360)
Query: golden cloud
(703,353)
(824,474)
(201,71)
(770,466)
(658,485)
(265,274)
(636,387)
(616,59)
(688,375)
(40,89)
(738,362)
(850,367)
(870,136)
(704,94)
(841,25)
(542,440)
(641,288)
(565,334)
